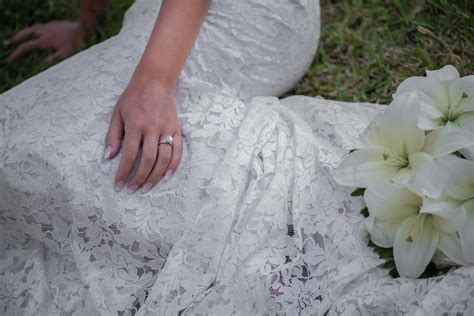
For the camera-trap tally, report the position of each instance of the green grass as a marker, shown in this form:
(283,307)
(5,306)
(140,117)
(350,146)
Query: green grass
(366,47)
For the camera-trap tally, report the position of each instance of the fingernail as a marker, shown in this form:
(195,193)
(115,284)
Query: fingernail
(119,186)
(107,152)
(147,187)
(132,188)
(168,174)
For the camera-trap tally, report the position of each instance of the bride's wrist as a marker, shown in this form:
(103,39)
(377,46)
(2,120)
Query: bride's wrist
(145,82)
(151,84)
(146,74)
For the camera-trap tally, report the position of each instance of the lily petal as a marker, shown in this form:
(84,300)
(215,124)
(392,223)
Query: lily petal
(403,176)
(442,225)
(440,259)
(414,245)
(466,121)
(391,202)
(458,177)
(463,89)
(469,80)
(383,233)
(448,72)
(444,141)
(468,153)
(397,129)
(365,166)
(447,208)
(450,245)
(416,83)
(425,178)
(467,233)
(432,104)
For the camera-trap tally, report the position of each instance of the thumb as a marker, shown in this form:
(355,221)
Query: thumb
(113,139)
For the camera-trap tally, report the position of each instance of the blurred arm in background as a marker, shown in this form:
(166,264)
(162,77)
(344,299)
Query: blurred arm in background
(64,36)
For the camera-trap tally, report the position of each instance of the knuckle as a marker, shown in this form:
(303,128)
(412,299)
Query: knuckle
(153,129)
(158,120)
(154,126)
(135,124)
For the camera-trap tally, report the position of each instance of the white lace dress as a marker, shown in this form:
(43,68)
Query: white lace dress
(251,223)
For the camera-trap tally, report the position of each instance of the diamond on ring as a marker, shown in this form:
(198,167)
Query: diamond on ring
(166,140)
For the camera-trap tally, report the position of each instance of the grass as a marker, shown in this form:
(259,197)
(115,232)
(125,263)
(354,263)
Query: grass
(367,46)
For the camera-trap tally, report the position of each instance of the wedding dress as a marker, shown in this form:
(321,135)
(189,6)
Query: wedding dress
(251,223)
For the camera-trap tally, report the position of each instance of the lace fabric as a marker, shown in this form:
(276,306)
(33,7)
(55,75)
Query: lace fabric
(250,223)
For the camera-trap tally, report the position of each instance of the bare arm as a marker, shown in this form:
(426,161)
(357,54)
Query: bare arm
(146,110)
(173,35)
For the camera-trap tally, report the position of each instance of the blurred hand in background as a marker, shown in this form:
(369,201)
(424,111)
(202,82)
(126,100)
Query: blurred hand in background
(65,37)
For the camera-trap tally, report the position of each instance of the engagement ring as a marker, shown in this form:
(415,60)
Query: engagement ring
(166,140)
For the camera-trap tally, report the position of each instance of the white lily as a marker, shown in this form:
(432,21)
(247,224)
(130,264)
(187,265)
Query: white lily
(397,150)
(444,97)
(458,199)
(446,101)
(466,121)
(399,219)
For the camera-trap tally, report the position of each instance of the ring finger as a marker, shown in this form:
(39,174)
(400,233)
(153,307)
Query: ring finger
(148,160)
(162,162)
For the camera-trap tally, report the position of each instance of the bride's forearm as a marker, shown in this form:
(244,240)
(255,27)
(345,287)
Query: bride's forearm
(173,35)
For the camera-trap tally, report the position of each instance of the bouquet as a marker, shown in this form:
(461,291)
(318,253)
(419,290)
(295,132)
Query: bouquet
(416,174)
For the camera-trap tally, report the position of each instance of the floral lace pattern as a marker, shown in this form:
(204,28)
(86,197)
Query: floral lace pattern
(250,223)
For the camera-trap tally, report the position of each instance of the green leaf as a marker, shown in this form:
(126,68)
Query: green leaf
(365,212)
(394,273)
(389,265)
(386,253)
(371,244)
(358,192)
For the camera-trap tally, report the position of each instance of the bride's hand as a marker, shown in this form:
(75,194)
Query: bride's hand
(144,112)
